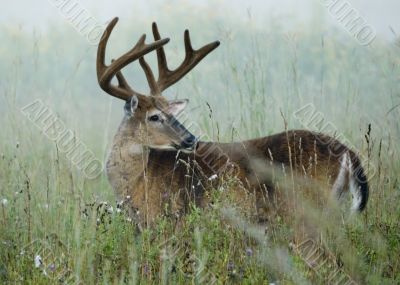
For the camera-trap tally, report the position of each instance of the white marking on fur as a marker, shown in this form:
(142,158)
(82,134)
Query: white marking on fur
(162,147)
(346,168)
(340,181)
(354,189)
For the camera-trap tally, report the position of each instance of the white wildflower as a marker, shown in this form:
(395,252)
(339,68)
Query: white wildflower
(110,209)
(118,210)
(38,261)
(4,201)
(129,220)
(213,177)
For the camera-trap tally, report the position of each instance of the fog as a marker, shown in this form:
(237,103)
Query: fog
(37,15)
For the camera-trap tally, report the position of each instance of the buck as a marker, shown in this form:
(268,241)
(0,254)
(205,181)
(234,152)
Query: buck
(162,167)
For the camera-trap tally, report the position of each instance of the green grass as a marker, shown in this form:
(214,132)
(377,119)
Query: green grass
(256,75)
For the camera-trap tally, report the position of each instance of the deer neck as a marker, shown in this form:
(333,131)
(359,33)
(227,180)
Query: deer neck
(127,160)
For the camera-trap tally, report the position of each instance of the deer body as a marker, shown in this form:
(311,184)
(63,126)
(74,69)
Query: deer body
(155,179)
(162,167)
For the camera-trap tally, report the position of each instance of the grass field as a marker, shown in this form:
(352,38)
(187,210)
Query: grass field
(59,226)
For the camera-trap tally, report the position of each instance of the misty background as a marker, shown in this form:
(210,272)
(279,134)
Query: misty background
(275,57)
(382,15)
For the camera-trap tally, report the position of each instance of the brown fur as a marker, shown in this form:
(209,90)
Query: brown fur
(165,182)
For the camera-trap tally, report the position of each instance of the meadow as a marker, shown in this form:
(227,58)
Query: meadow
(59,226)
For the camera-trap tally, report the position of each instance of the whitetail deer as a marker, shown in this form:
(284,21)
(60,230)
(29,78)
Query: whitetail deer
(150,143)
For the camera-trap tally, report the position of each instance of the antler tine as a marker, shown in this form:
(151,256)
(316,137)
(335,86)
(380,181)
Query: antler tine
(188,44)
(122,82)
(149,76)
(106,73)
(168,77)
(163,69)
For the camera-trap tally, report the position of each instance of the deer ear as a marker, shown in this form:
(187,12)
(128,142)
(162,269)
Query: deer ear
(175,107)
(131,106)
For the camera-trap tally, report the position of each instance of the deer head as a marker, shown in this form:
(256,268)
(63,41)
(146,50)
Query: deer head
(151,116)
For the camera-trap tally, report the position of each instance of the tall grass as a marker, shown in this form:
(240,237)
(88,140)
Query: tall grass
(240,91)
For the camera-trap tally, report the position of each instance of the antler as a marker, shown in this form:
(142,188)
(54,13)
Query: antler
(106,73)
(166,77)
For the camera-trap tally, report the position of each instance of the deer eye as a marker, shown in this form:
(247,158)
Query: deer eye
(154,118)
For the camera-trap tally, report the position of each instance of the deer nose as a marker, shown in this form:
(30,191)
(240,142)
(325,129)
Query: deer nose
(189,141)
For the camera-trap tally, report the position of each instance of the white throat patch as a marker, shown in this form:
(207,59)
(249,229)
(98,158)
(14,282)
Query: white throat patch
(135,149)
